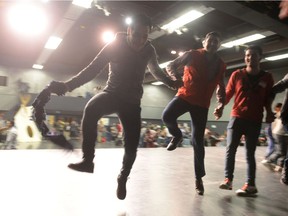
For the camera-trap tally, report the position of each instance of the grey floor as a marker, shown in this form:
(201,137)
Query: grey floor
(38,182)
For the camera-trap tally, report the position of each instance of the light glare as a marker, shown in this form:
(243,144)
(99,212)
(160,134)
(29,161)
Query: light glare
(82,3)
(37,66)
(157,83)
(243,40)
(27,19)
(53,42)
(277,57)
(182,20)
(108,36)
(128,20)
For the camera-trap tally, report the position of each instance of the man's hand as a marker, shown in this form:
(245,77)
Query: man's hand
(218,112)
(58,88)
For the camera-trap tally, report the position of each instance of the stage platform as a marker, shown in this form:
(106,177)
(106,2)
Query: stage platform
(38,183)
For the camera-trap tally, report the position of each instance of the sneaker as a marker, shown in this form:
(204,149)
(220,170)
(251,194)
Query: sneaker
(176,141)
(121,189)
(284,176)
(278,169)
(284,181)
(199,187)
(82,166)
(247,190)
(268,164)
(226,184)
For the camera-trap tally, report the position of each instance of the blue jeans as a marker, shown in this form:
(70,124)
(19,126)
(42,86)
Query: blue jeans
(178,107)
(130,117)
(235,129)
(271,141)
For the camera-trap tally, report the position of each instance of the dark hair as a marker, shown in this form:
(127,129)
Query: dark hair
(278,105)
(257,49)
(214,34)
(141,19)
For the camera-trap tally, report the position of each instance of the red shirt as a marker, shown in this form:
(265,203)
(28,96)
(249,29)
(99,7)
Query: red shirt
(251,94)
(200,78)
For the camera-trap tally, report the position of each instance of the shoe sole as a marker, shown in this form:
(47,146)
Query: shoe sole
(79,170)
(246,195)
(174,146)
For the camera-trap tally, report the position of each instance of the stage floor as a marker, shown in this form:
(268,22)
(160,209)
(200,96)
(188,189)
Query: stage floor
(38,183)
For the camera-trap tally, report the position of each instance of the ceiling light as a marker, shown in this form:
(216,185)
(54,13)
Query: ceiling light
(182,20)
(163,65)
(128,20)
(243,40)
(157,83)
(277,57)
(108,36)
(38,66)
(82,3)
(53,42)
(173,52)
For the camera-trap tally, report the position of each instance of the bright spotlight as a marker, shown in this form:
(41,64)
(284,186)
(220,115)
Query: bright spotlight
(27,19)
(128,20)
(108,36)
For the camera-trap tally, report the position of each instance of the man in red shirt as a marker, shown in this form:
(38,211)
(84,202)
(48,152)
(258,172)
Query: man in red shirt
(251,88)
(203,72)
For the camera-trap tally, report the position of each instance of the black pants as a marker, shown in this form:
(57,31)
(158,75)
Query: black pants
(130,118)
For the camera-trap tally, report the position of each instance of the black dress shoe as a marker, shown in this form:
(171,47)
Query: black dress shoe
(199,187)
(83,166)
(176,141)
(121,189)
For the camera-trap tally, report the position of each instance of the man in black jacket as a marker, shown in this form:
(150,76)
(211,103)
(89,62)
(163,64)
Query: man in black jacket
(128,57)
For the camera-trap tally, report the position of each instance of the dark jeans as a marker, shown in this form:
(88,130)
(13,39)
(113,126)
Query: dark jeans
(178,107)
(130,117)
(236,128)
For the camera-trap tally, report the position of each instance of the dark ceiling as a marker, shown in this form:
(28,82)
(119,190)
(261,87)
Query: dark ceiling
(82,28)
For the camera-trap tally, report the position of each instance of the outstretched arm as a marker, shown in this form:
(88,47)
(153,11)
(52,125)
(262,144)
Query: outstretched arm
(85,75)
(281,85)
(161,75)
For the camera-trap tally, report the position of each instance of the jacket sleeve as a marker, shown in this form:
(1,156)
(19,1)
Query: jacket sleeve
(174,68)
(156,71)
(269,99)
(281,85)
(230,88)
(92,70)
(220,91)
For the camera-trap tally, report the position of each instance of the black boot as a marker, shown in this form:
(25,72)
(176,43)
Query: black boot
(199,186)
(121,189)
(83,166)
(174,143)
